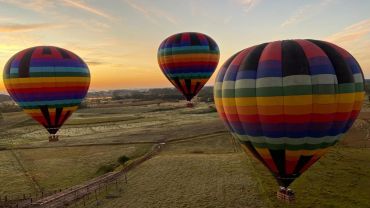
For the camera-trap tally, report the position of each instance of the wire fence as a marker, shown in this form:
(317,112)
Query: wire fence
(23,199)
(89,190)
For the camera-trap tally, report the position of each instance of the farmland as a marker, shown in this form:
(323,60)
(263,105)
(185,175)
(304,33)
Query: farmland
(201,167)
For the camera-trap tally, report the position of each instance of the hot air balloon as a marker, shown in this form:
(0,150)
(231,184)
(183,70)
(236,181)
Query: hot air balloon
(188,60)
(48,83)
(288,101)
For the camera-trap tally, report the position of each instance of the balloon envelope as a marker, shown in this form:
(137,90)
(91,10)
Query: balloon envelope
(188,60)
(48,83)
(288,101)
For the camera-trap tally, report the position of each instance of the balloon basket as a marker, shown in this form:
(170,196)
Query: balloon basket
(53,138)
(190,105)
(286,195)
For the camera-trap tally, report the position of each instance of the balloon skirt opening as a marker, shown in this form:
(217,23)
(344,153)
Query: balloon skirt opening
(285,194)
(53,138)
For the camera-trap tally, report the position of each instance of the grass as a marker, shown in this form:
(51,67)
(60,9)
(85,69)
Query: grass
(340,179)
(206,171)
(101,120)
(13,179)
(59,168)
(56,165)
(192,180)
(201,110)
(106,168)
(214,144)
(109,125)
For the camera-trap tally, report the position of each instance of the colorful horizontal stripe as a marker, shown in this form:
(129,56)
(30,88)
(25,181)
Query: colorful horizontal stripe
(288,101)
(188,60)
(48,83)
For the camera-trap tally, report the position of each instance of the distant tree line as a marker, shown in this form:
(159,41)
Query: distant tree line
(206,94)
(167,94)
(145,95)
(367,86)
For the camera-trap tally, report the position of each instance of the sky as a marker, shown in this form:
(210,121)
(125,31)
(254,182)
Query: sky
(118,39)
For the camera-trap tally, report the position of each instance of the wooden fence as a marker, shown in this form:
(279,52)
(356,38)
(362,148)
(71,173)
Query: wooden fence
(92,188)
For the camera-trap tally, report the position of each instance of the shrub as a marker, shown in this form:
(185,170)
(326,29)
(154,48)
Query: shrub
(106,169)
(123,159)
(212,108)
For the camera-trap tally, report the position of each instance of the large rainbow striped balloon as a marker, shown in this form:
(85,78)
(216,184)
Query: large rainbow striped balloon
(288,101)
(48,83)
(188,60)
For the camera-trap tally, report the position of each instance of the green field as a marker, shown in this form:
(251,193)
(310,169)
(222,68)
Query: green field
(90,139)
(197,174)
(205,169)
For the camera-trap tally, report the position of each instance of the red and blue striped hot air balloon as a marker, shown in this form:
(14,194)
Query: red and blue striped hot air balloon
(188,60)
(288,101)
(48,83)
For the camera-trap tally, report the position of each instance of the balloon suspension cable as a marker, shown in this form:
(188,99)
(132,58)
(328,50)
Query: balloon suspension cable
(53,138)
(285,194)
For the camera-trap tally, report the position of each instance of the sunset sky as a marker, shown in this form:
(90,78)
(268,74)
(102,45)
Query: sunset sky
(119,39)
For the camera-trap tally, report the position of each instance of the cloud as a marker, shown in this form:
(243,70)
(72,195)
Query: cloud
(34,5)
(152,14)
(24,27)
(88,24)
(85,7)
(248,4)
(50,6)
(94,63)
(356,39)
(351,33)
(299,16)
(305,12)
(5,19)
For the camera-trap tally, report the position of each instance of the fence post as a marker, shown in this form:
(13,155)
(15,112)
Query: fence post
(88,193)
(96,198)
(6,198)
(120,186)
(116,184)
